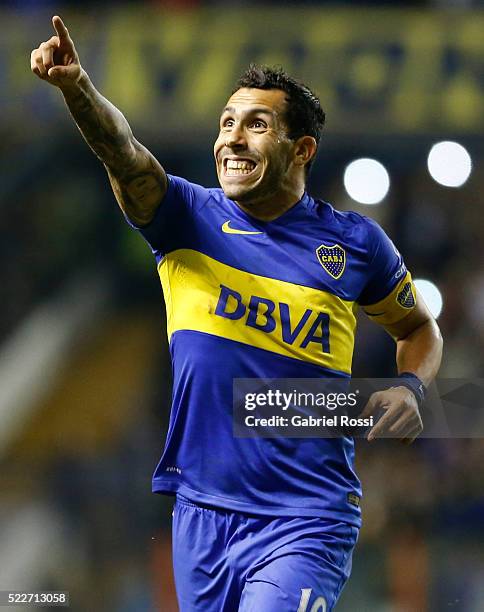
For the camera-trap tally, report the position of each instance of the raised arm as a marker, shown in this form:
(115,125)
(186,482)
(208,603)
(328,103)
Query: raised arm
(138,180)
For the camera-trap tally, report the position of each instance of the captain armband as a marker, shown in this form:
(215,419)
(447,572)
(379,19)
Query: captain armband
(396,305)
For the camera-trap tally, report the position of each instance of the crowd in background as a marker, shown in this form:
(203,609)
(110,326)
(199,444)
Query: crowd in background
(423,505)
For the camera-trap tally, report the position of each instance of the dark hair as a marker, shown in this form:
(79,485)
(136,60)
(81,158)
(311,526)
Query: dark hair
(304,115)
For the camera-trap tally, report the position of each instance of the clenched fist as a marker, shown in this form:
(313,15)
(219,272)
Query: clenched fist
(56,60)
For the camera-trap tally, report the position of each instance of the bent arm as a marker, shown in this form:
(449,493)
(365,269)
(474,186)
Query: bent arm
(419,343)
(419,350)
(137,179)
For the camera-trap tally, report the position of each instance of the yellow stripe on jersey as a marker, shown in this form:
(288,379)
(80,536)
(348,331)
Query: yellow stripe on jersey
(204,295)
(396,305)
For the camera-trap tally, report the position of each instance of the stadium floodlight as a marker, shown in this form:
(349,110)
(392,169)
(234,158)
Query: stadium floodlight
(366,181)
(449,163)
(431,295)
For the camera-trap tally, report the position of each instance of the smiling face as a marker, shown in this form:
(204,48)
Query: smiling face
(253,153)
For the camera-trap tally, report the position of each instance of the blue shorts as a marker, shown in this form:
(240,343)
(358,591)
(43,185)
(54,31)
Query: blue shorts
(227,561)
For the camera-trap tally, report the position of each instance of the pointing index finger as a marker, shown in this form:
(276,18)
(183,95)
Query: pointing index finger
(60,28)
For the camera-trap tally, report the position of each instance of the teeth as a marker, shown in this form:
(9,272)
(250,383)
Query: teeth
(233,164)
(237,171)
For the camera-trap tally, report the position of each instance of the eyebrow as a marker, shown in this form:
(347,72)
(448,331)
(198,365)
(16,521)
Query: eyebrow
(256,109)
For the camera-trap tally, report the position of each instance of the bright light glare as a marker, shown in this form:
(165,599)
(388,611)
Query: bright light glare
(431,295)
(366,181)
(449,163)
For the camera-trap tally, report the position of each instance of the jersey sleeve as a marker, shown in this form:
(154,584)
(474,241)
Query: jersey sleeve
(173,223)
(389,294)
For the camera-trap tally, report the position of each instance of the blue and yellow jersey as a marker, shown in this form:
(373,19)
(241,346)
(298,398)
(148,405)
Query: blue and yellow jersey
(253,299)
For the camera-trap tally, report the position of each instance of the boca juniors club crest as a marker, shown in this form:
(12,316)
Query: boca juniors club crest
(332,258)
(405,297)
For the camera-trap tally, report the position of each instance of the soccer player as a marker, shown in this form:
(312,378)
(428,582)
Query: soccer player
(260,280)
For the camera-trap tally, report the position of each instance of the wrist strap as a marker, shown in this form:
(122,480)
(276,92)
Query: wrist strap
(414,384)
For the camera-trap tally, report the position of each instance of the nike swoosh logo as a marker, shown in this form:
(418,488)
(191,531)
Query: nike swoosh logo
(231,230)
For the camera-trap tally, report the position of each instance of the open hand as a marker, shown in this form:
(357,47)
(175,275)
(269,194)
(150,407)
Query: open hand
(56,60)
(401,418)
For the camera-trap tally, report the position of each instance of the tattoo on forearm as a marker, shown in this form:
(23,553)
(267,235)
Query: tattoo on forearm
(137,179)
(104,128)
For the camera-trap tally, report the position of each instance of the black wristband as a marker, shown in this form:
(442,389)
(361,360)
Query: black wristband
(414,384)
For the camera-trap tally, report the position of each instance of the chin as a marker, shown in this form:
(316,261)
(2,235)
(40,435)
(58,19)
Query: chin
(236,193)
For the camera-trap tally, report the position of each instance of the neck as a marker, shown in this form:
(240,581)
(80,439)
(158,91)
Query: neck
(272,207)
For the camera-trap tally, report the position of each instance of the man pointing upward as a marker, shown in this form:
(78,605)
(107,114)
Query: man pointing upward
(252,292)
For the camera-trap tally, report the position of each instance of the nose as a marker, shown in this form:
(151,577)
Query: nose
(236,138)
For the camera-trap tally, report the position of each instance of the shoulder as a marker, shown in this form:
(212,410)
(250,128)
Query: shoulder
(330,215)
(178,182)
(216,193)
(347,222)
(195,195)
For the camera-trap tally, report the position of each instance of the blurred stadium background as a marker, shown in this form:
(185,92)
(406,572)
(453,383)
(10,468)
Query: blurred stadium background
(84,368)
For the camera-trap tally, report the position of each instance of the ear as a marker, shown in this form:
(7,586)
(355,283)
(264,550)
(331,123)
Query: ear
(304,150)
